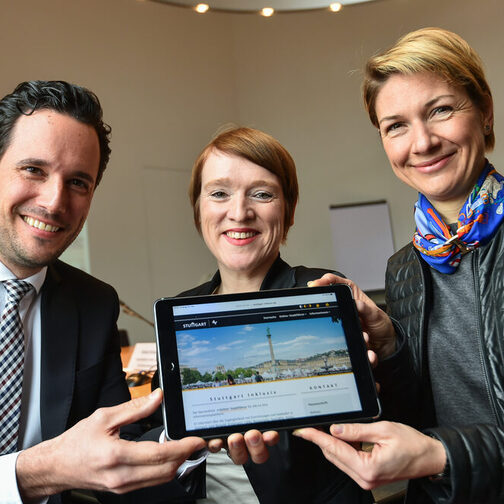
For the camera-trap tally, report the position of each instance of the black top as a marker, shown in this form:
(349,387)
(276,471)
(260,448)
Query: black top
(296,471)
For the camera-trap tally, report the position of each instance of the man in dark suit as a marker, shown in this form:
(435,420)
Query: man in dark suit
(53,151)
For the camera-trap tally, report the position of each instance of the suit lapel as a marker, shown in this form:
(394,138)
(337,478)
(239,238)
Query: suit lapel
(59,333)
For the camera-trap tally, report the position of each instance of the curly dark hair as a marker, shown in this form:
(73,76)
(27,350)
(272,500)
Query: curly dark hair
(74,101)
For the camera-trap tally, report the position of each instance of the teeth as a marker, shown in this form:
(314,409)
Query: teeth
(240,236)
(40,225)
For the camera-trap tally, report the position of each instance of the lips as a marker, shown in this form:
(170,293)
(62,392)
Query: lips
(40,225)
(241,235)
(434,164)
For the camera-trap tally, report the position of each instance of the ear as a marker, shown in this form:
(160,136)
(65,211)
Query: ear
(487,115)
(293,212)
(284,239)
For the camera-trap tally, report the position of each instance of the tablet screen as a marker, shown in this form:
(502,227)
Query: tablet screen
(263,360)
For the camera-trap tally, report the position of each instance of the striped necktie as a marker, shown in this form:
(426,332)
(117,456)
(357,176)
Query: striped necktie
(11,364)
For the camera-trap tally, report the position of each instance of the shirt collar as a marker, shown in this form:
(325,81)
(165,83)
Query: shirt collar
(37,280)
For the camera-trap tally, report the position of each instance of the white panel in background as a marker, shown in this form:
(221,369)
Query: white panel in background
(362,242)
(77,254)
(143,357)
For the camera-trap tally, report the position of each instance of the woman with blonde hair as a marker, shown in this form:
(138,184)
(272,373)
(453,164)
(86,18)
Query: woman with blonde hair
(441,361)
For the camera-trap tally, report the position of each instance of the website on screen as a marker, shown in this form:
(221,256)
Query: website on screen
(261,360)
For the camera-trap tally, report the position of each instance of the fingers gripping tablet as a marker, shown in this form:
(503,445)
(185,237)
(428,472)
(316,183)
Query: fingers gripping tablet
(267,360)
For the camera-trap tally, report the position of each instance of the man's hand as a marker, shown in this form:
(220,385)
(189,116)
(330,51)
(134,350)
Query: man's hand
(253,443)
(399,452)
(375,322)
(91,455)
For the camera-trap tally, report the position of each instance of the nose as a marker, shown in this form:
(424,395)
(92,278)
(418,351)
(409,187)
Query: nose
(424,138)
(53,196)
(240,209)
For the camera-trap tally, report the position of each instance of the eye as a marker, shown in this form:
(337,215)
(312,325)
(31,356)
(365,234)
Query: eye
(394,127)
(80,184)
(442,110)
(262,195)
(218,194)
(34,170)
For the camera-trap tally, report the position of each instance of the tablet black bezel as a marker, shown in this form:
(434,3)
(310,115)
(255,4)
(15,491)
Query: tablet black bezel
(169,374)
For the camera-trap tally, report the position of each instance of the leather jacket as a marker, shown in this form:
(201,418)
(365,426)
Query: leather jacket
(475,452)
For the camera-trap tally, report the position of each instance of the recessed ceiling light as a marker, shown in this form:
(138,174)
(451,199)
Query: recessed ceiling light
(267,11)
(255,6)
(201,8)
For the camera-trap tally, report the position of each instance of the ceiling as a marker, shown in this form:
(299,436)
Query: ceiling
(257,5)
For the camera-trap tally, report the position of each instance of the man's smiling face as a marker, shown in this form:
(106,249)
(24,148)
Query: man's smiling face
(47,179)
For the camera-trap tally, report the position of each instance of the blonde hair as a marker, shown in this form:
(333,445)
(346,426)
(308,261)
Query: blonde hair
(262,150)
(433,50)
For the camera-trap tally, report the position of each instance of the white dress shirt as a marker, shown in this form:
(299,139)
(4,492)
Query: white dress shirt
(29,421)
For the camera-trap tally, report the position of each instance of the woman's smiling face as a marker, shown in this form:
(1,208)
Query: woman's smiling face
(241,210)
(433,135)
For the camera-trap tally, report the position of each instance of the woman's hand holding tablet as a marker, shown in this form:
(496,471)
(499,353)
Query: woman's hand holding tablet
(240,447)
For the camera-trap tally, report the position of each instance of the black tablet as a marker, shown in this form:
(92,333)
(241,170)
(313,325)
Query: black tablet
(266,360)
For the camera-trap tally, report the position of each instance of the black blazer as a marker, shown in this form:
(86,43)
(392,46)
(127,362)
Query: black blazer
(81,366)
(296,471)
(80,353)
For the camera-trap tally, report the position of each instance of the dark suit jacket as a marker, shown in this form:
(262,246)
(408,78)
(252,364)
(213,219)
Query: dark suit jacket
(81,367)
(296,471)
(80,359)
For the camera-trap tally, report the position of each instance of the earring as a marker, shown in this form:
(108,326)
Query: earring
(487,128)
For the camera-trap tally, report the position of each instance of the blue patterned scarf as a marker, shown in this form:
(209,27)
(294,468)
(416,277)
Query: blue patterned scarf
(478,221)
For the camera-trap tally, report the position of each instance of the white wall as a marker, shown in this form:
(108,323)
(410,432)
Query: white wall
(168,78)
(299,78)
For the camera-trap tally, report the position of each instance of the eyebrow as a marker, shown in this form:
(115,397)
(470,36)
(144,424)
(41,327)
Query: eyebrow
(32,161)
(388,118)
(427,105)
(227,181)
(85,176)
(220,181)
(43,163)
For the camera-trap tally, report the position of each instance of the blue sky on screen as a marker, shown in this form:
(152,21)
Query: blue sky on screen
(247,345)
